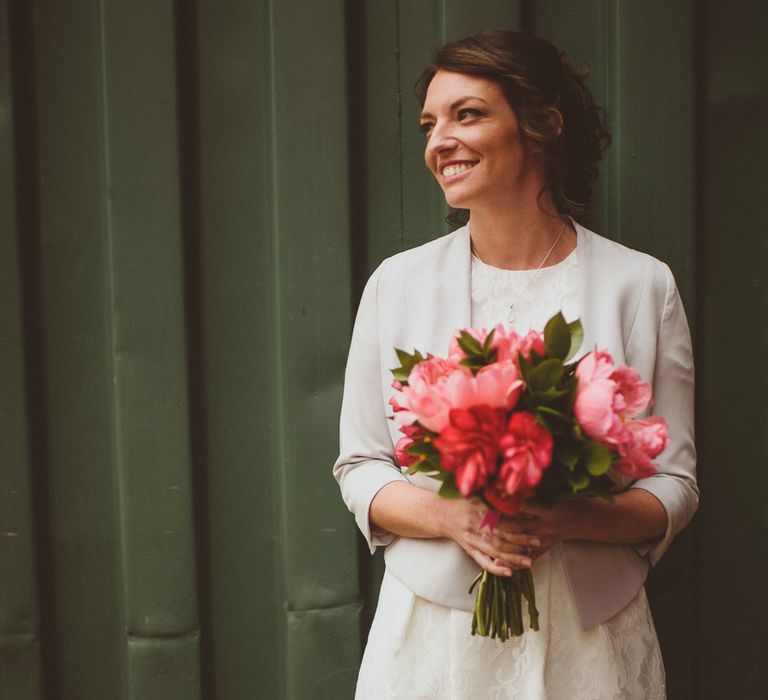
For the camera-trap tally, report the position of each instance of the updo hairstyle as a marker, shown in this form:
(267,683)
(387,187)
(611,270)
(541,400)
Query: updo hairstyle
(535,77)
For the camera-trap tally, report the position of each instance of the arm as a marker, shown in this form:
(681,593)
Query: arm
(410,511)
(384,503)
(653,509)
(366,462)
(632,517)
(674,484)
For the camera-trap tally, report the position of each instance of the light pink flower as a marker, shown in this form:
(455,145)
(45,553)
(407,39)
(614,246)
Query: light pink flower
(526,451)
(506,343)
(443,385)
(607,399)
(606,396)
(404,458)
(525,344)
(455,352)
(643,440)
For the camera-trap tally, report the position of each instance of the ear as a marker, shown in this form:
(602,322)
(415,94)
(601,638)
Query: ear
(556,120)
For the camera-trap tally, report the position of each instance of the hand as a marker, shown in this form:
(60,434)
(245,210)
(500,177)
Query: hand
(546,523)
(500,552)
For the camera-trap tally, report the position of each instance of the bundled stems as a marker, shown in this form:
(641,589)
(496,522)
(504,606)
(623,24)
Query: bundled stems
(498,611)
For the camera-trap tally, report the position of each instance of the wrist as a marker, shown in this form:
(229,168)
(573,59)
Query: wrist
(570,517)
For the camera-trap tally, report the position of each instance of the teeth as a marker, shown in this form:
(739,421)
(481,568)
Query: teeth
(451,170)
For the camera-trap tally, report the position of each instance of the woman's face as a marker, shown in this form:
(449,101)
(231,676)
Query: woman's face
(474,146)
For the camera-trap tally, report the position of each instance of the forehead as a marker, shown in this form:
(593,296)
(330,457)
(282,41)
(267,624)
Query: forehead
(447,87)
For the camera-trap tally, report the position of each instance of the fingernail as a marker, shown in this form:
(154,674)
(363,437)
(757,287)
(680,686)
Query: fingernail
(526,562)
(506,572)
(536,542)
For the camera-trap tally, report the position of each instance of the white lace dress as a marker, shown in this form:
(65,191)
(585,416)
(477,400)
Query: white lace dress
(418,650)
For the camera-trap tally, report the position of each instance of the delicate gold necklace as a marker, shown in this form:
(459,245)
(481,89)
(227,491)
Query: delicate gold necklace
(511,305)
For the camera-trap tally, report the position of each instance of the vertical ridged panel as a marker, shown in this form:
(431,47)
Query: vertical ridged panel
(654,138)
(20,660)
(578,27)
(312,283)
(420,28)
(375,103)
(731,645)
(148,336)
(463,17)
(652,189)
(228,208)
(84,588)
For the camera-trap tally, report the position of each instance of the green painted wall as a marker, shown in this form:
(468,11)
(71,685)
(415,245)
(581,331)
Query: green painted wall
(192,195)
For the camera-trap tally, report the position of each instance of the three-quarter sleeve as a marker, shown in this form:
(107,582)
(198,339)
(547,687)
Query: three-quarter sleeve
(674,484)
(366,460)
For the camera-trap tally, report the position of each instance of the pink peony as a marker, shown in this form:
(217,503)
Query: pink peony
(507,343)
(469,446)
(526,452)
(455,352)
(433,391)
(606,396)
(404,458)
(644,440)
(524,345)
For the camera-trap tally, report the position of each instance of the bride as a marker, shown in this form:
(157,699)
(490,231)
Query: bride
(513,137)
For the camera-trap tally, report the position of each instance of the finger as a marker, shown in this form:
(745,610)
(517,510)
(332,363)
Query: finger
(516,561)
(521,539)
(515,556)
(498,567)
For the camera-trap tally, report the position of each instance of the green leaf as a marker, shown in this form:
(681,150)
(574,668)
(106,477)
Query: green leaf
(449,489)
(568,455)
(557,337)
(545,375)
(401,375)
(552,393)
(420,448)
(578,482)
(407,362)
(469,344)
(597,458)
(488,342)
(554,413)
(577,338)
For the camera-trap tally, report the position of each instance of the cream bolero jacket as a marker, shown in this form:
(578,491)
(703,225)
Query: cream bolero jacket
(416,300)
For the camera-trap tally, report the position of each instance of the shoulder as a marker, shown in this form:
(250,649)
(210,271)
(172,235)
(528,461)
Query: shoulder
(624,265)
(426,256)
(421,267)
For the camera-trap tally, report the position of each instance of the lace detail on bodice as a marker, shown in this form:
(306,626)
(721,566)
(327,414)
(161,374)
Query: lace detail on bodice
(552,289)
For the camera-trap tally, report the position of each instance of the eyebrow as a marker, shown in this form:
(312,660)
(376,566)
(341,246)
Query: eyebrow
(455,104)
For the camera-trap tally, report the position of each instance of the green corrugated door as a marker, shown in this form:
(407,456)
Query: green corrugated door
(192,195)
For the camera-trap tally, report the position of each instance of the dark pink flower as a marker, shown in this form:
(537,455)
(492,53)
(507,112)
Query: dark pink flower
(469,446)
(526,452)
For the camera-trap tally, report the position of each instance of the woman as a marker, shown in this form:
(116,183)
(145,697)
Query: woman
(513,137)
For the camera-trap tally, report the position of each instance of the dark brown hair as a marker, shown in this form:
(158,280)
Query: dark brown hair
(536,77)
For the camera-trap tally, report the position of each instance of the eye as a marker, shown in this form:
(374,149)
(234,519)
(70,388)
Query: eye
(425,128)
(467,112)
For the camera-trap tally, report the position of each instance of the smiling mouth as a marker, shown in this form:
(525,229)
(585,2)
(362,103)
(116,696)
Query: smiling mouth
(456,168)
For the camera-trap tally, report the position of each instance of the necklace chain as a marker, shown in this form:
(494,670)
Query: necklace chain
(511,315)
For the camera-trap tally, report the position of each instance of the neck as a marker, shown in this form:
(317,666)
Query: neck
(518,236)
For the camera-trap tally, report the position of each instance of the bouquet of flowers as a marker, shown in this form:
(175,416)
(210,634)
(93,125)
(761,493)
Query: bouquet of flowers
(511,419)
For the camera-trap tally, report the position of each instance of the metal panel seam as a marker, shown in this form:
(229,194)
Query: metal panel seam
(278,486)
(118,495)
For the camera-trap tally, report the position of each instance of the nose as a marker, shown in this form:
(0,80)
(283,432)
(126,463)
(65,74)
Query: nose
(441,139)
